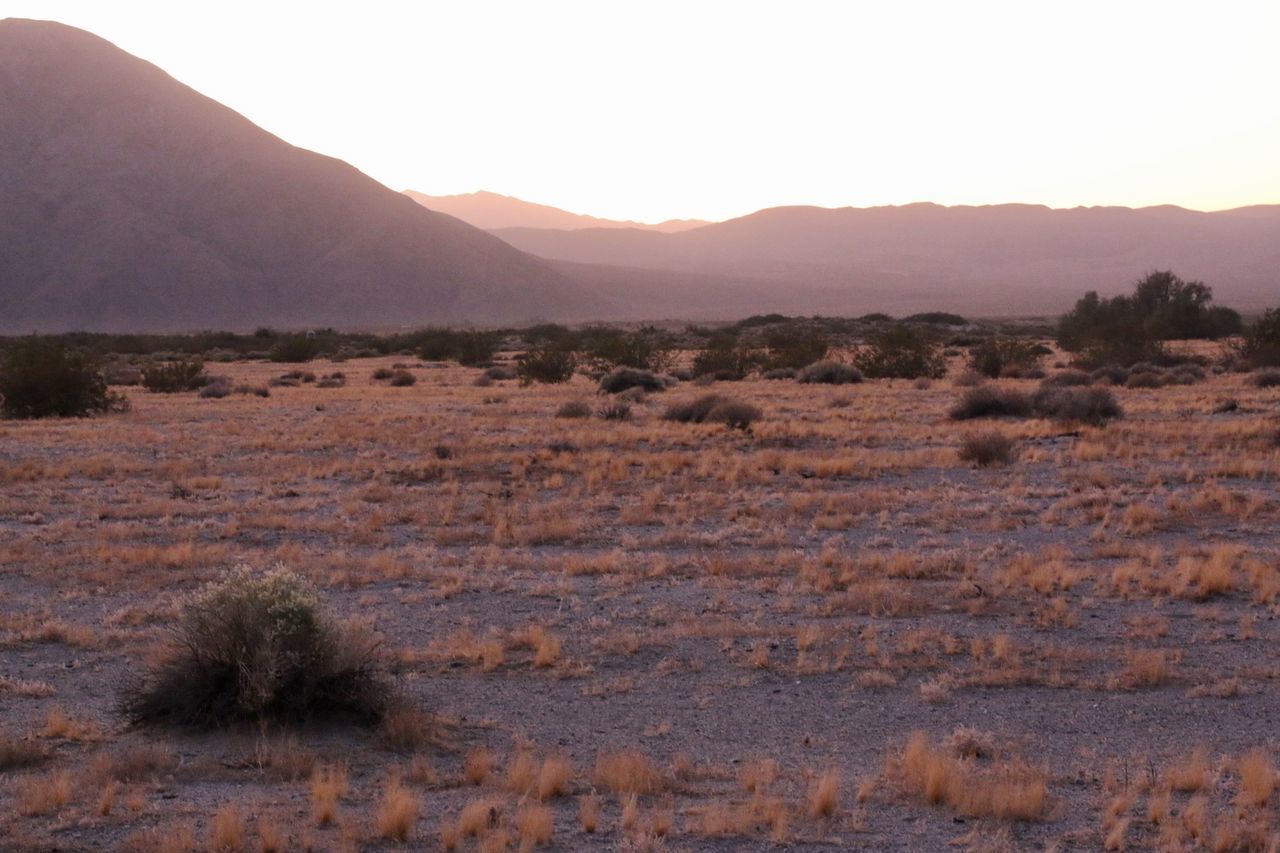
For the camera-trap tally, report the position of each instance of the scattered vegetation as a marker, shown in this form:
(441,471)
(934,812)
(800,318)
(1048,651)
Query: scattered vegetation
(42,379)
(901,351)
(829,373)
(987,449)
(714,408)
(547,363)
(172,377)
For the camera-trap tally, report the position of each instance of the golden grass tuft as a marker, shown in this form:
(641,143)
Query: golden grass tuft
(824,798)
(535,824)
(1257,778)
(1006,790)
(227,830)
(328,786)
(477,765)
(554,777)
(627,772)
(397,813)
(589,813)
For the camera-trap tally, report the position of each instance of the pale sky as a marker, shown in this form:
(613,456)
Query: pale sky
(654,110)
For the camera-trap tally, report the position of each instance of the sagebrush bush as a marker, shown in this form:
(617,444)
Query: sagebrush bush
(260,647)
(987,402)
(1002,356)
(402,379)
(901,351)
(574,409)
(42,379)
(616,411)
(295,349)
(172,377)
(829,373)
(714,408)
(987,448)
(1068,378)
(726,359)
(549,364)
(624,378)
(1093,406)
(1265,378)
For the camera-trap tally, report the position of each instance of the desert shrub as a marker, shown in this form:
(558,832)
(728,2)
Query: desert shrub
(615,411)
(171,377)
(969,379)
(1145,379)
(987,402)
(633,395)
(647,348)
(547,363)
(295,349)
(794,347)
(734,414)
(500,373)
(332,380)
(467,347)
(987,448)
(779,373)
(724,358)
(1002,356)
(382,373)
(41,379)
(829,373)
(1130,328)
(900,351)
(1110,374)
(122,374)
(402,379)
(713,408)
(217,389)
(260,647)
(625,378)
(257,390)
(940,318)
(1068,378)
(1265,379)
(1093,406)
(574,409)
(1261,345)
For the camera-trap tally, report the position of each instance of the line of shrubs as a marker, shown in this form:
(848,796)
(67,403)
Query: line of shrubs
(1088,405)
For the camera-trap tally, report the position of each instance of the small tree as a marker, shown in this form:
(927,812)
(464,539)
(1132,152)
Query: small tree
(994,356)
(1261,346)
(41,379)
(724,358)
(901,351)
(794,347)
(548,363)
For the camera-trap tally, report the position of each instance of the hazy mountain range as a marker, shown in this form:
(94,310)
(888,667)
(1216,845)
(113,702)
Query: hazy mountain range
(491,211)
(128,201)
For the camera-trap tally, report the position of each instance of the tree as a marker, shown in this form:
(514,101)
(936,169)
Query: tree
(41,379)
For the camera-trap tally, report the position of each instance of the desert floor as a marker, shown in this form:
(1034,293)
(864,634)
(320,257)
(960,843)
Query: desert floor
(825,633)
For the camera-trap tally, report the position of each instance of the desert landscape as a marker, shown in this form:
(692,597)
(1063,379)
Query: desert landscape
(698,427)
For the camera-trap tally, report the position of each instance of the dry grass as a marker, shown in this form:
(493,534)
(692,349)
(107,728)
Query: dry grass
(328,785)
(627,772)
(1004,790)
(397,813)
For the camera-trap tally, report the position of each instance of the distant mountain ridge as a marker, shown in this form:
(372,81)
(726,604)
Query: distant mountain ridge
(131,202)
(491,211)
(1011,258)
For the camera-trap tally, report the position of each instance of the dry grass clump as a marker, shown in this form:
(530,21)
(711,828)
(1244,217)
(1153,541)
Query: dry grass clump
(477,765)
(625,378)
(824,797)
(987,449)
(1068,378)
(42,795)
(328,786)
(1093,406)
(16,753)
(397,812)
(535,824)
(574,410)
(227,830)
(260,647)
(1008,790)
(627,772)
(406,729)
(1268,378)
(554,777)
(1257,778)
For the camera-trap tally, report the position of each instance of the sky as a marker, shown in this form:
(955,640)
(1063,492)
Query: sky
(706,109)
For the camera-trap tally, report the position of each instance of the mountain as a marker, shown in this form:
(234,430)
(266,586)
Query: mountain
(490,211)
(999,259)
(133,203)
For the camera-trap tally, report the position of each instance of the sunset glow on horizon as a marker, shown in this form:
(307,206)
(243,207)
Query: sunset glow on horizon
(716,109)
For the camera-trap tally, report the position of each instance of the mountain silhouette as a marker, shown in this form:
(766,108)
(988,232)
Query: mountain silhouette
(133,203)
(490,211)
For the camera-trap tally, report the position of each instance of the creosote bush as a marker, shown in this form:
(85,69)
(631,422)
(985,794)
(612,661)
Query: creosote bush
(714,408)
(1093,406)
(574,409)
(172,377)
(987,402)
(41,379)
(625,378)
(829,373)
(901,351)
(547,363)
(1003,356)
(260,647)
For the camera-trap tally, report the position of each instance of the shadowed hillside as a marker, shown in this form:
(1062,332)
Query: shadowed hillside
(490,211)
(132,202)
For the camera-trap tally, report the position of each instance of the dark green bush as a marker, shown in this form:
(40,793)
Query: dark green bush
(1000,356)
(171,377)
(900,351)
(647,348)
(794,347)
(41,379)
(624,378)
(829,373)
(987,402)
(256,648)
(295,349)
(547,363)
(725,358)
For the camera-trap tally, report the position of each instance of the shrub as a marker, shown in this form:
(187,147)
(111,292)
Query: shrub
(734,414)
(1093,406)
(256,648)
(383,373)
(174,376)
(725,359)
(623,378)
(900,351)
(547,363)
(968,379)
(1265,379)
(500,373)
(1110,374)
(403,379)
(41,379)
(643,349)
(1261,346)
(940,318)
(1002,356)
(468,348)
(714,408)
(987,402)
(1145,379)
(779,373)
(217,389)
(794,347)
(987,449)
(1068,378)
(295,349)
(829,373)
(574,409)
(617,411)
